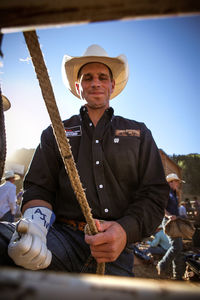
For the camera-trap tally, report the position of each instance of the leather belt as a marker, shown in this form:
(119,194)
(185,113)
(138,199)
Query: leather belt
(73,223)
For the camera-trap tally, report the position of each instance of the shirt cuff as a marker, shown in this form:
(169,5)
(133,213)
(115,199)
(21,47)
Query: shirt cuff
(131,227)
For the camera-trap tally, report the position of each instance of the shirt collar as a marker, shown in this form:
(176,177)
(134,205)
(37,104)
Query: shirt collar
(109,112)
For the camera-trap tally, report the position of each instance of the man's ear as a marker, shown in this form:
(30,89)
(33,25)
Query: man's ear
(77,87)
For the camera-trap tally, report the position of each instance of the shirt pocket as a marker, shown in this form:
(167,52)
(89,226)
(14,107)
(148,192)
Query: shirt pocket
(124,155)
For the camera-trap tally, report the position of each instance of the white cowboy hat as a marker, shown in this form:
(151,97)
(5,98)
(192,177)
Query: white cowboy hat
(95,53)
(11,174)
(173,176)
(6,103)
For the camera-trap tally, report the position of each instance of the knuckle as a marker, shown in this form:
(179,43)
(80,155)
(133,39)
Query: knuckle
(112,237)
(112,258)
(92,242)
(112,248)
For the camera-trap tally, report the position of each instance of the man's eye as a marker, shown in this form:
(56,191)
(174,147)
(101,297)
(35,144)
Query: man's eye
(103,78)
(87,78)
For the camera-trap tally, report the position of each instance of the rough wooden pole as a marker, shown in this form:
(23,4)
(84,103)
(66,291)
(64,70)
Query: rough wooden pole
(59,131)
(2,139)
(30,285)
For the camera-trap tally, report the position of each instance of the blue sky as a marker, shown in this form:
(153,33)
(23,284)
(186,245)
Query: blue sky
(163,90)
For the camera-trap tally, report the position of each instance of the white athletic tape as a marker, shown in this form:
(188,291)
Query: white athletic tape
(28,247)
(43,216)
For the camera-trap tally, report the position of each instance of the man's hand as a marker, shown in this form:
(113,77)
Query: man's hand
(172,217)
(108,244)
(28,246)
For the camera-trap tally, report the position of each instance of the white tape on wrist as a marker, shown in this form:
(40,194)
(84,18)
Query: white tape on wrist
(27,246)
(40,215)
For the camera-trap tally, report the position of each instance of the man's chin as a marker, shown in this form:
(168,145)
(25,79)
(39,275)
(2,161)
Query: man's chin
(97,105)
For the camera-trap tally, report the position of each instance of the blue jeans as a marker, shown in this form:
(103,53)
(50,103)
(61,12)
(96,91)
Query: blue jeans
(8,217)
(156,250)
(174,257)
(70,253)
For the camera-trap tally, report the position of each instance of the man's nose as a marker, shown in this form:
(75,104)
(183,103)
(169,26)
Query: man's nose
(95,82)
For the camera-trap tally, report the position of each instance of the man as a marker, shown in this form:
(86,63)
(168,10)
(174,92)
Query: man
(8,197)
(157,246)
(174,255)
(160,243)
(182,210)
(119,167)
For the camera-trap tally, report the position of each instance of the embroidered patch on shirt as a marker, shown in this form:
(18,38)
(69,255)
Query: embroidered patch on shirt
(127,132)
(73,131)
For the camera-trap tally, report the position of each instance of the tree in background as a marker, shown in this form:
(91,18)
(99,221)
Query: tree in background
(190,165)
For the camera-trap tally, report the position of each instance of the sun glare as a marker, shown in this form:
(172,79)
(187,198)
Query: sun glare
(20,134)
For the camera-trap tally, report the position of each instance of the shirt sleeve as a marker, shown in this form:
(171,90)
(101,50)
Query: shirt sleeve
(148,202)
(41,181)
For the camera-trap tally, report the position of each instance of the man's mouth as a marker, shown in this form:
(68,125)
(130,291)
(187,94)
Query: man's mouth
(96,93)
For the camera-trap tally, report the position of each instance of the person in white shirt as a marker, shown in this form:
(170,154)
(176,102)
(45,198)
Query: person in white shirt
(8,197)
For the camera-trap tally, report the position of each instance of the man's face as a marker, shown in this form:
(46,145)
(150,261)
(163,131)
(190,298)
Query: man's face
(95,85)
(174,185)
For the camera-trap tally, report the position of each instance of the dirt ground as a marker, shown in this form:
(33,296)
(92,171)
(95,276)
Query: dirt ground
(146,270)
(142,270)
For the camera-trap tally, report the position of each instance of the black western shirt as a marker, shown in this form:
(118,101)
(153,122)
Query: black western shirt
(120,169)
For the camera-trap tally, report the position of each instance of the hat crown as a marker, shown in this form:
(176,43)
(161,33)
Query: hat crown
(95,50)
(172,176)
(9,174)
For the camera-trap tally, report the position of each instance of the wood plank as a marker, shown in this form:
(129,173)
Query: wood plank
(36,285)
(36,13)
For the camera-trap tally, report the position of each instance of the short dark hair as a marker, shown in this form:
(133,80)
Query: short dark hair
(79,72)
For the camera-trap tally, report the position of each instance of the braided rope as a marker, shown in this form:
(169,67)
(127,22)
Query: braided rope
(59,132)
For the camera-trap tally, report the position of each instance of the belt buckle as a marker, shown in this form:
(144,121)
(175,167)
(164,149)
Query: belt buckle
(81,226)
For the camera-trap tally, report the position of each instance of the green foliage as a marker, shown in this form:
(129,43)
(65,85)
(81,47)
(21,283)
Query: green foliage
(181,164)
(190,165)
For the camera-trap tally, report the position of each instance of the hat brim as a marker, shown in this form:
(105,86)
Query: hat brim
(175,179)
(16,177)
(6,103)
(118,66)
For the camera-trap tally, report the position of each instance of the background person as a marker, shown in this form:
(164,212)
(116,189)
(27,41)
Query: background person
(174,254)
(160,243)
(182,210)
(8,197)
(157,246)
